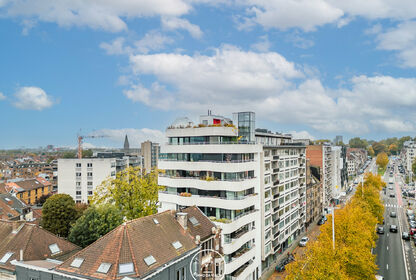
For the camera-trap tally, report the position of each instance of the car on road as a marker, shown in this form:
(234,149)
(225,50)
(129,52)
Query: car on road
(393,214)
(321,222)
(380,230)
(303,241)
(379,277)
(392,195)
(405,236)
(393,228)
(412,224)
(411,217)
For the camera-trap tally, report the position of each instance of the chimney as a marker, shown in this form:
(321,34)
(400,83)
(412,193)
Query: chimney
(198,239)
(21,254)
(182,219)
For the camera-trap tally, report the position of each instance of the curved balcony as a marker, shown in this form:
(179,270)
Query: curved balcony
(189,182)
(209,201)
(236,243)
(244,272)
(233,166)
(236,262)
(236,223)
(208,148)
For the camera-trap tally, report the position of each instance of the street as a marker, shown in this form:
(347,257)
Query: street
(395,256)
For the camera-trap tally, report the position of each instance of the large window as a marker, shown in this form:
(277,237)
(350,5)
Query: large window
(181,274)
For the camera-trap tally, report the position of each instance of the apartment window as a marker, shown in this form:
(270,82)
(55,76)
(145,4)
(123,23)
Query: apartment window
(89,183)
(89,174)
(89,164)
(78,192)
(89,192)
(78,174)
(180,274)
(78,201)
(78,184)
(267,208)
(113,173)
(78,164)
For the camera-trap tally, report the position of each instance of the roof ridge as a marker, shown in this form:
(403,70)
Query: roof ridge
(29,239)
(131,252)
(50,233)
(148,216)
(119,248)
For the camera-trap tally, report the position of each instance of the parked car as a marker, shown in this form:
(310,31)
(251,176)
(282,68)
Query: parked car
(380,230)
(393,214)
(412,224)
(303,241)
(405,236)
(412,232)
(321,222)
(280,267)
(392,195)
(411,217)
(393,228)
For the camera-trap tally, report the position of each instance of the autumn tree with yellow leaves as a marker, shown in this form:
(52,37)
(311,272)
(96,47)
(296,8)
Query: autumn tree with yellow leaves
(355,236)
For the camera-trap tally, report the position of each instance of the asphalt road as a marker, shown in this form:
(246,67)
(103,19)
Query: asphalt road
(390,250)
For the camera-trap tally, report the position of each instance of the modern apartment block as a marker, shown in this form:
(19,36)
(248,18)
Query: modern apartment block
(408,155)
(251,183)
(79,177)
(150,153)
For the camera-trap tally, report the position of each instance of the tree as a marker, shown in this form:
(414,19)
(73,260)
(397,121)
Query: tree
(370,151)
(58,213)
(87,153)
(321,141)
(69,154)
(42,199)
(414,167)
(378,148)
(94,223)
(402,140)
(134,193)
(357,142)
(393,148)
(382,160)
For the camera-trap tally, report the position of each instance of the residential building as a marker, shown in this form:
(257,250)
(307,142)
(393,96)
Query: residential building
(250,183)
(322,156)
(338,140)
(356,158)
(150,153)
(27,242)
(80,177)
(164,246)
(314,193)
(344,168)
(408,155)
(28,190)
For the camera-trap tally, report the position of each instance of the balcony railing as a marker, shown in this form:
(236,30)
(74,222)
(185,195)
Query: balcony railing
(214,143)
(227,221)
(213,161)
(209,196)
(205,178)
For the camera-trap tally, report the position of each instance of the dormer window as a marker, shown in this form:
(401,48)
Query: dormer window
(77,262)
(149,260)
(125,268)
(54,248)
(6,257)
(177,245)
(104,268)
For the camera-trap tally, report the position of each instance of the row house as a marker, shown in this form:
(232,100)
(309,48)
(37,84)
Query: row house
(29,190)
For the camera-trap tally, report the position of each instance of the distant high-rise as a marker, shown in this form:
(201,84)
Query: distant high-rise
(150,153)
(338,140)
(126,143)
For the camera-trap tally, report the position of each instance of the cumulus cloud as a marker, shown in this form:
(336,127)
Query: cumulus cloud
(263,45)
(2,96)
(136,136)
(402,40)
(301,134)
(106,15)
(173,23)
(32,98)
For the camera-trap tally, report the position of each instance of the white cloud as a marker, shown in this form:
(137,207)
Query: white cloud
(151,41)
(2,96)
(394,125)
(107,15)
(299,41)
(136,136)
(173,23)
(263,45)
(301,135)
(32,98)
(401,39)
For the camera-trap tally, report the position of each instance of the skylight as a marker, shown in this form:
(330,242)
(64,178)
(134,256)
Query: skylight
(77,262)
(104,268)
(125,268)
(6,257)
(149,260)
(194,221)
(54,248)
(177,245)
(155,221)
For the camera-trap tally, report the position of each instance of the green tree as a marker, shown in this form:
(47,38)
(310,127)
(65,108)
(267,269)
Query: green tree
(321,141)
(357,142)
(378,148)
(134,193)
(402,140)
(414,167)
(393,148)
(58,213)
(69,154)
(370,151)
(87,153)
(94,223)
(42,199)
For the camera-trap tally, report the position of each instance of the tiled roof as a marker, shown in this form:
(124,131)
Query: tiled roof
(10,206)
(131,243)
(204,226)
(33,240)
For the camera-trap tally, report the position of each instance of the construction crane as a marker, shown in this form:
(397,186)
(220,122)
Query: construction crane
(81,137)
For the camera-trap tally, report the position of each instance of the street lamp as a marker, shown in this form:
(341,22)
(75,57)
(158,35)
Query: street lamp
(333,224)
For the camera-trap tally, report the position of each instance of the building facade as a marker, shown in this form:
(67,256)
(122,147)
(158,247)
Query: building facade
(408,155)
(150,153)
(250,183)
(29,190)
(314,194)
(80,177)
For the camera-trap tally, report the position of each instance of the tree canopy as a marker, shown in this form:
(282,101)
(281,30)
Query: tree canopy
(382,160)
(58,213)
(357,142)
(133,193)
(354,238)
(94,223)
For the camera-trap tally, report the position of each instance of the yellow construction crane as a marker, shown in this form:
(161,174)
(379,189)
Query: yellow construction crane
(81,137)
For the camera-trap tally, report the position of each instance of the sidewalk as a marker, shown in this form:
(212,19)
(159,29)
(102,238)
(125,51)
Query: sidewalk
(313,233)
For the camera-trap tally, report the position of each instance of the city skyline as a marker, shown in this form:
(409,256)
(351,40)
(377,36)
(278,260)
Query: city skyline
(321,70)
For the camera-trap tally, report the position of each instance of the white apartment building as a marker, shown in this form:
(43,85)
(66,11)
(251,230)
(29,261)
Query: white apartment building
(336,171)
(408,154)
(80,177)
(250,183)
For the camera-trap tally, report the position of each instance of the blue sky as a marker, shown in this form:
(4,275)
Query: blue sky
(315,68)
